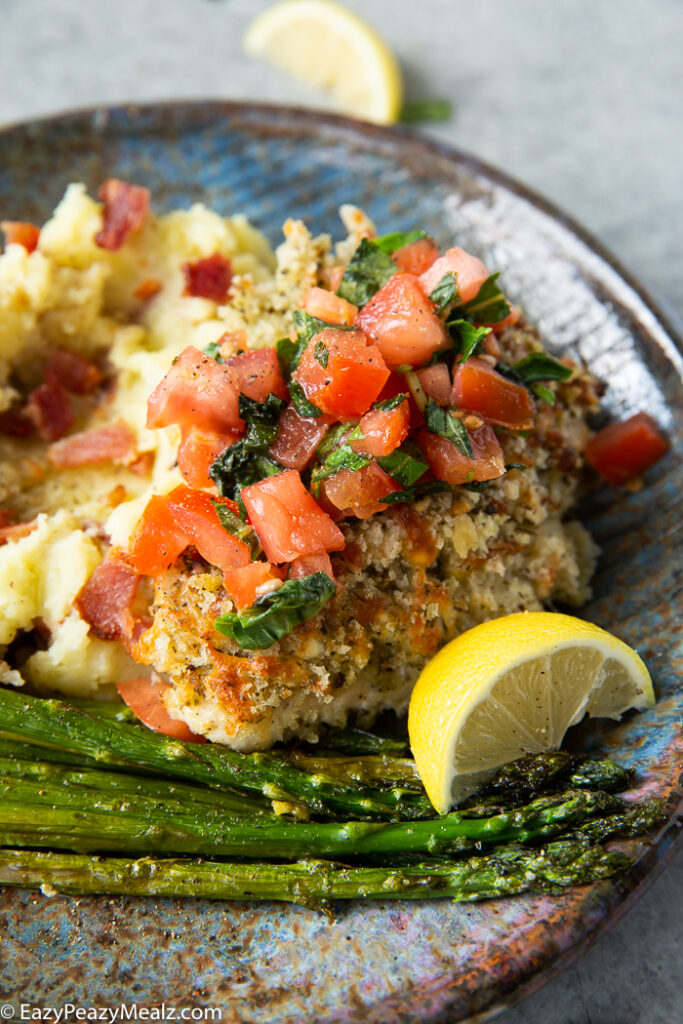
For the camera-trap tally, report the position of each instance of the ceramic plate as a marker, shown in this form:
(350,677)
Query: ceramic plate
(382,962)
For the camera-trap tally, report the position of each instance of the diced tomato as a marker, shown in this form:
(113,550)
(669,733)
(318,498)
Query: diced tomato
(147,289)
(298,437)
(196,391)
(208,278)
(125,211)
(287,519)
(73,371)
(351,381)
(403,322)
(105,600)
(470,273)
(383,430)
(157,539)
(359,492)
(436,383)
(624,450)
(416,257)
(144,697)
(49,409)
(479,388)
(195,514)
(329,307)
(173,521)
(198,450)
(244,585)
(448,463)
(19,232)
(306,565)
(113,442)
(397,385)
(258,374)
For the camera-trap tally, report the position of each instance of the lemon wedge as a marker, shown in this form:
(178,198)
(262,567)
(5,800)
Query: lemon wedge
(326,45)
(513,686)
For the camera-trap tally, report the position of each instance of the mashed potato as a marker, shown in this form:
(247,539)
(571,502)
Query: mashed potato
(410,578)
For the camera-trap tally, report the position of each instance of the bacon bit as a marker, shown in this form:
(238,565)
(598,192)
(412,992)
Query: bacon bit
(16,423)
(19,232)
(144,696)
(143,465)
(113,442)
(76,373)
(147,289)
(16,531)
(208,278)
(49,409)
(105,600)
(125,211)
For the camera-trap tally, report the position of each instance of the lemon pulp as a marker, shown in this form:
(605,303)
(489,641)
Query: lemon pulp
(514,686)
(326,45)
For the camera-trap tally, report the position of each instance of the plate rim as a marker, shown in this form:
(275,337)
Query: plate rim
(650,865)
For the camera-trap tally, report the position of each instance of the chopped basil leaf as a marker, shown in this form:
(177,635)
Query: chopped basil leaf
(267,412)
(237,527)
(540,366)
(414,111)
(420,491)
(288,355)
(543,392)
(307,326)
(467,337)
(402,467)
(368,269)
(515,465)
(398,239)
(343,457)
(331,440)
(488,306)
(322,353)
(445,293)
(440,421)
(213,349)
(276,614)
(300,402)
(390,403)
(247,461)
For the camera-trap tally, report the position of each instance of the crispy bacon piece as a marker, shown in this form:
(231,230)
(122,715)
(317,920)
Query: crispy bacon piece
(74,372)
(15,531)
(113,442)
(105,600)
(208,278)
(144,697)
(49,409)
(125,211)
(16,423)
(19,232)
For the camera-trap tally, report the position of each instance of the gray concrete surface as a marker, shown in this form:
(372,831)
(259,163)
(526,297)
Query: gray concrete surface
(581,99)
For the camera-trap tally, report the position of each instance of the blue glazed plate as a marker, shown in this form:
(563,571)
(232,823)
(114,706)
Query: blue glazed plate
(382,962)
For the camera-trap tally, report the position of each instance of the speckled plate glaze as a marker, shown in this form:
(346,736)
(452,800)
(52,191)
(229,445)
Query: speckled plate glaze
(383,962)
